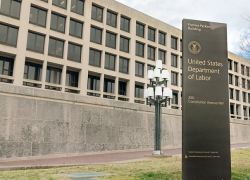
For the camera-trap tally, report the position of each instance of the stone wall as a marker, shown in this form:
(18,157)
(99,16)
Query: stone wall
(37,123)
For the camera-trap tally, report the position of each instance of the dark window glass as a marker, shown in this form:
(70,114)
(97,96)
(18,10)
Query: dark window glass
(237,109)
(139,49)
(60,3)
(150,67)
(248,98)
(72,78)
(229,65)
(38,16)
(110,61)
(242,69)
(93,83)
(125,24)
(32,71)
(139,91)
(95,58)
(56,47)
(235,67)
(173,43)
(53,75)
(237,97)
(231,92)
(124,44)
(6,66)
(35,42)
(245,111)
(11,8)
(109,85)
(243,83)
(181,45)
(8,35)
(173,60)
(231,109)
(248,84)
(162,56)
(162,38)
(139,30)
(123,65)
(111,19)
(77,6)
(122,88)
(236,80)
(174,78)
(181,80)
(139,69)
(181,62)
(151,34)
(45,0)
(175,98)
(57,23)
(110,40)
(74,52)
(151,53)
(96,35)
(96,13)
(243,96)
(230,78)
(75,28)
(247,71)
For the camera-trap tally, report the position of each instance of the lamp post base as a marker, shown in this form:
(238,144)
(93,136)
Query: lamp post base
(157,152)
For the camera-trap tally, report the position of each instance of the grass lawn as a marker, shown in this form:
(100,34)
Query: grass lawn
(153,169)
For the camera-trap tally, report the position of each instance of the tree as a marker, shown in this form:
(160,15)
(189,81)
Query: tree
(245,40)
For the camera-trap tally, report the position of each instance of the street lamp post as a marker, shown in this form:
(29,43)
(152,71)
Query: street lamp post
(157,94)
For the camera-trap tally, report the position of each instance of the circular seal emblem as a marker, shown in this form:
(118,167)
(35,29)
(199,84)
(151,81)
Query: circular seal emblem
(194,47)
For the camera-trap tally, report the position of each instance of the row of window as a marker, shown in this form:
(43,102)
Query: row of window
(237,95)
(235,110)
(244,70)
(237,83)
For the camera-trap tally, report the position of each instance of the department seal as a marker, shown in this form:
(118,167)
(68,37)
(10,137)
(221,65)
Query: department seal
(194,47)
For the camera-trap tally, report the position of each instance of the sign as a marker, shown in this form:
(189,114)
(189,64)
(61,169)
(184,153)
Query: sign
(205,98)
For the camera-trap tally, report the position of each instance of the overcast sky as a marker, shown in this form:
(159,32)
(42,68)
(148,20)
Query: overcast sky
(224,11)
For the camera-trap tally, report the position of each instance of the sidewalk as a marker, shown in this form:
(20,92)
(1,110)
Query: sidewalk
(116,157)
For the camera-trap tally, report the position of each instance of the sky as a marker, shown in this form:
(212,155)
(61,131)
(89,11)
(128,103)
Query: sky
(172,12)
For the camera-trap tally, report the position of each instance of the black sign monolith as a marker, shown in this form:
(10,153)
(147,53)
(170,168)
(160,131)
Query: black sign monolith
(205,101)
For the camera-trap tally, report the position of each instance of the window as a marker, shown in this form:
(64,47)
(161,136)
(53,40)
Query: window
(75,28)
(57,23)
(175,98)
(32,71)
(174,78)
(162,38)
(8,35)
(173,42)
(181,45)
(140,29)
(109,85)
(139,49)
(244,97)
(110,61)
(123,65)
(11,8)
(74,52)
(95,58)
(77,6)
(124,44)
(93,83)
(247,71)
(151,53)
(242,69)
(38,16)
(162,56)
(122,88)
(35,42)
(56,47)
(150,67)
(6,66)
(173,60)
(231,109)
(125,24)
(181,80)
(243,83)
(111,19)
(230,78)
(139,91)
(181,62)
(151,34)
(139,69)
(96,35)
(248,97)
(245,111)
(248,84)
(237,93)
(72,78)
(236,79)
(96,13)
(237,109)
(110,40)
(53,75)
(229,64)
(60,3)
(231,92)
(235,67)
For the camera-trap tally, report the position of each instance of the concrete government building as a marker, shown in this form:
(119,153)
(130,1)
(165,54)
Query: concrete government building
(72,75)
